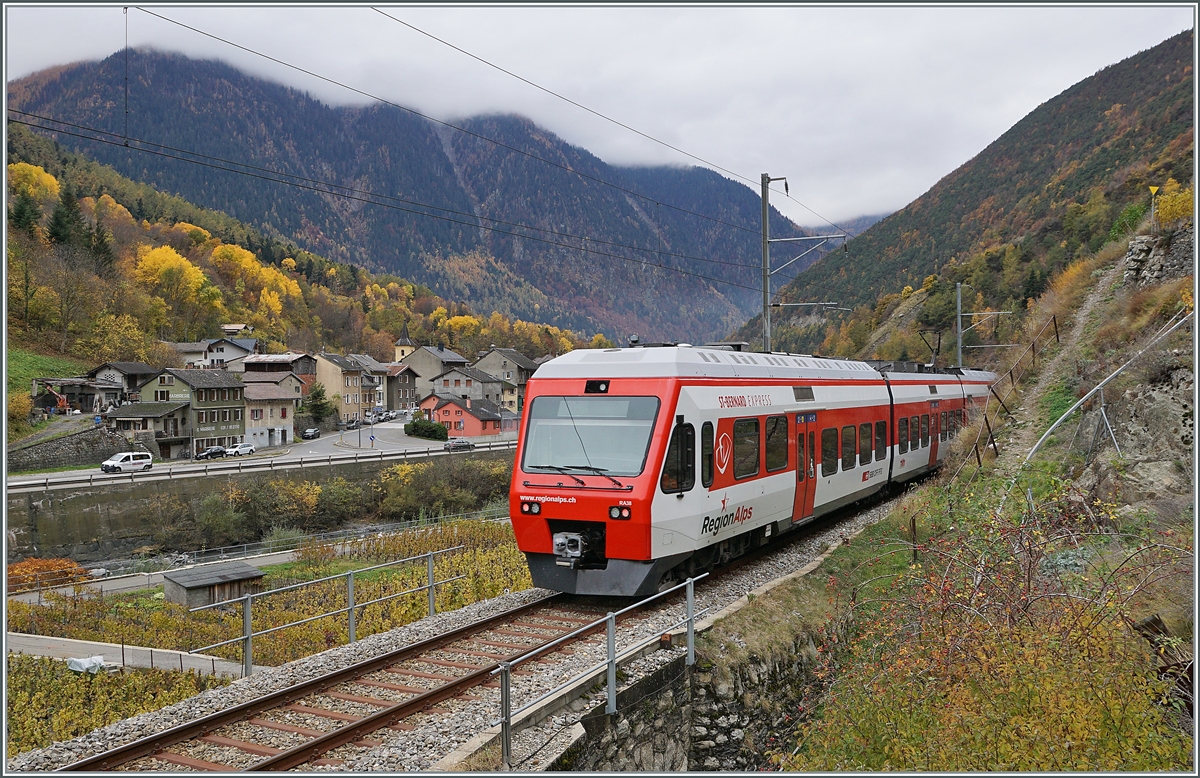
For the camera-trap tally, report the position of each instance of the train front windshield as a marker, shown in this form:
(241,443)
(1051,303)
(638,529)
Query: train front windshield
(606,434)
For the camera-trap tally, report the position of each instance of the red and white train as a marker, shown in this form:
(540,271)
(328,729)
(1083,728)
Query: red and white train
(641,466)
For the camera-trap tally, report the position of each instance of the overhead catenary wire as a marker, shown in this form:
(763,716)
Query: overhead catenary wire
(365,192)
(427,117)
(349,196)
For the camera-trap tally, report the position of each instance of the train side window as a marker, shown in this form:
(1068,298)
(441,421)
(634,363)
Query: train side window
(942,426)
(914,432)
(800,454)
(881,441)
(745,448)
(864,444)
(829,451)
(902,435)
(706,454)
(924,430)
(953,419)
(777,452)
(679,467)
(848,446)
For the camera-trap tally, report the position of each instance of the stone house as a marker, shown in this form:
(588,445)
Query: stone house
(344,378)
(272,400)
(162,426)
(430,361)
(467,382)
(509,365)
(130,375)
(401,387)
(304,366)
(216,399)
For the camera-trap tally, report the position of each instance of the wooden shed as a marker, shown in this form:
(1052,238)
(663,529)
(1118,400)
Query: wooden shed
(206,584)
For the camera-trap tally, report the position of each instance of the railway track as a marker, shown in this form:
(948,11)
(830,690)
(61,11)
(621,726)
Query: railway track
(312,723)
(331,719)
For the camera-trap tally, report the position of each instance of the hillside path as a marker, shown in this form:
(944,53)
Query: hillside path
(1023,427)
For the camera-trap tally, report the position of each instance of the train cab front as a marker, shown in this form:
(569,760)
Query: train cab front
(581,488)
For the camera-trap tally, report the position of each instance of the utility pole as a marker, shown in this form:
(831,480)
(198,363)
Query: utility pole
(766,254)
(766,258)
(958,320)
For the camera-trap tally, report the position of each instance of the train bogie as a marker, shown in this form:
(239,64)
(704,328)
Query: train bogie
(638,466)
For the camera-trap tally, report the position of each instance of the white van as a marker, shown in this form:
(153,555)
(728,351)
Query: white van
(127,461)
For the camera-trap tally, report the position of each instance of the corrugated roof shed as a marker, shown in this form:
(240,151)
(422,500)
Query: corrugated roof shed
(207,575)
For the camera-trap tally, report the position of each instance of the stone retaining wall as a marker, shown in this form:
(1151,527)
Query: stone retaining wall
(1152,259)
(648,733)
(81,449)
(700,718)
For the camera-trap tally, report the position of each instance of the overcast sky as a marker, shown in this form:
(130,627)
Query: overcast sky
(863,109)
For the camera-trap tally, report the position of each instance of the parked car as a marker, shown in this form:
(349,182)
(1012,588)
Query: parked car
(353,424)
(311,433)
(239,449)
(127,461)
(458,444)
(212,452)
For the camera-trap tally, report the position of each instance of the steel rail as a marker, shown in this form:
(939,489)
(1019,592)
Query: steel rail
(149,745)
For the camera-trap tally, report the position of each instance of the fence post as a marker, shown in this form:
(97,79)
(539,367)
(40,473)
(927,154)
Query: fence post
(247,637)
(991,437)
(506,718)
(350,602)
(429,557)
(1054,321)
(611,628)
(691,618)
(912,523)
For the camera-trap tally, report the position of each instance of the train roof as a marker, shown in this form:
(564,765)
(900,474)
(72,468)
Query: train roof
(700,361)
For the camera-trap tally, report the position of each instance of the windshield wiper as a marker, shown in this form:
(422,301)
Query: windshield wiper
(557,469)
(597,471)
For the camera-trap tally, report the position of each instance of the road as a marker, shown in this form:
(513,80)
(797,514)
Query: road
(389,439)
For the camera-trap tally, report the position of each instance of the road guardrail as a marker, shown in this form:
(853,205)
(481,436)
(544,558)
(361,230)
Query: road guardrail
(194,469)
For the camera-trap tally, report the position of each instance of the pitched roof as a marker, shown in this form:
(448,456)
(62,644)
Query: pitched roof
(472,373)
(145,410)
(204,379)
(246,344)
(445,354)
(342,362)
(269,391)
(396,368)
(369,362)
(128,368)
(201,345)
(286,359)
(519,359)
(207,575)
(483,410)
(268,377)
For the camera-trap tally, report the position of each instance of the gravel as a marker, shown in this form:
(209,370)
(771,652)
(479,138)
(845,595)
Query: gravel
(437,735)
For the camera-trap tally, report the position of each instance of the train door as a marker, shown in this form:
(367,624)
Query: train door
(806,470)
(933,433)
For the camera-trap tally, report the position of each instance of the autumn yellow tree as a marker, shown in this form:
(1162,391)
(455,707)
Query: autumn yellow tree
(190,297)
(32,180)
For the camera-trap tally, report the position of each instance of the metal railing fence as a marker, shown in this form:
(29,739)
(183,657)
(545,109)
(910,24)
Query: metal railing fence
(246,601)
(612,658)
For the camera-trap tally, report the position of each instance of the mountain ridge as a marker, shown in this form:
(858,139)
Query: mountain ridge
(208,107)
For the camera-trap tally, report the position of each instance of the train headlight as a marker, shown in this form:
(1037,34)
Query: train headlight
(619,512)
(614,512)
(531,507)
